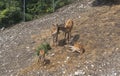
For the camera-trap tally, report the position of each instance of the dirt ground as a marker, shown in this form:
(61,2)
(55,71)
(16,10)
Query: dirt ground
(97,28)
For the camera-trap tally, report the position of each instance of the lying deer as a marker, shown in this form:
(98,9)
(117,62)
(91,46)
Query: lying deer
(66,28)
(77,47)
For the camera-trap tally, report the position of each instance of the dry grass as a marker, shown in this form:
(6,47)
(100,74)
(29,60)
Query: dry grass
(97,30)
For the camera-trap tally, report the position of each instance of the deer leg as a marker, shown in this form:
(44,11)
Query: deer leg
(70,34)
(41,58)
(56,39)
(68,37)
(65,36)
(53,39)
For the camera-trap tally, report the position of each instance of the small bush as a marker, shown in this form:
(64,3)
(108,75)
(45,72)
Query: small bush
(10,16)
(28,17)
(2,5)
(44,46)
(49,10)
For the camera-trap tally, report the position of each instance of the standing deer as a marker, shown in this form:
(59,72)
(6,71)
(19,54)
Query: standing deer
(66,28)
(54,32)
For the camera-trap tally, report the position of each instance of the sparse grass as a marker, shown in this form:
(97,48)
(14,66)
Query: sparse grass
(44,46)
(98,34)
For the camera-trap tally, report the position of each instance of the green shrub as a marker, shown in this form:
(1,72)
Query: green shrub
(49,10)
(44,46)
(2,5)
(10,16)
(11,11)
(28,17)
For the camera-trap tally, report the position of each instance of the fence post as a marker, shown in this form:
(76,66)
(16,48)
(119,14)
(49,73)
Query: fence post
(24,10)
(53,5)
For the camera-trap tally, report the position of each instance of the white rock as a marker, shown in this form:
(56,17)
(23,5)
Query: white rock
(117,49)
(79,17)
(38,72)
(17,55)
(100,70)
(76,73)
(67,58)
(52,54)
(92,66)
(27,47)
(64,72)
(3,28)
(83,73)
(79,72)
(115,74)
(81,6)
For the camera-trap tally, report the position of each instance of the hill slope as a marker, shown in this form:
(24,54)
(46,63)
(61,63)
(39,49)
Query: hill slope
(98,29)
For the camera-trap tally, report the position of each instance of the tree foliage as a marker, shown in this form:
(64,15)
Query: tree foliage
(11,11)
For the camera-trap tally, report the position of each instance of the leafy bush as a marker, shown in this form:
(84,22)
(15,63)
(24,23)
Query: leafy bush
(11,11)
(43,46)
(49,10)
(28,17)
(2,5)
(10,16)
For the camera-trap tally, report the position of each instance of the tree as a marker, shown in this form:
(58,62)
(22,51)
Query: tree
(26,10)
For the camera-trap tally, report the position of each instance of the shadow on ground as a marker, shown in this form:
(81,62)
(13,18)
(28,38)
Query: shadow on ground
(105,2)
(75,38)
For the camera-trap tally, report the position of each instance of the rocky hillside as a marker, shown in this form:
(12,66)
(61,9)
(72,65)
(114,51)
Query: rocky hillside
(97,28)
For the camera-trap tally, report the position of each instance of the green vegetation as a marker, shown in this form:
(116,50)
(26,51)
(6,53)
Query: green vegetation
(44,46)
(10,16)
(11,11)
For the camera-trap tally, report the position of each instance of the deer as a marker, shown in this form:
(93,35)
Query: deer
(65,28)
(54,32)
(68,26)
(42,56)
(77,47)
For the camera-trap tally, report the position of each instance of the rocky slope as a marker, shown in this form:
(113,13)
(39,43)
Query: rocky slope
(98,29)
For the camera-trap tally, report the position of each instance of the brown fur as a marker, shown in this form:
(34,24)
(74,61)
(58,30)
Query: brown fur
(66,28)
(54,32)
(54,29)
(42,55)
(77,47)
(69,24)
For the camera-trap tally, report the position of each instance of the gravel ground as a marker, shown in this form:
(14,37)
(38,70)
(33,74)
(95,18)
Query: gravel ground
(100,37)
